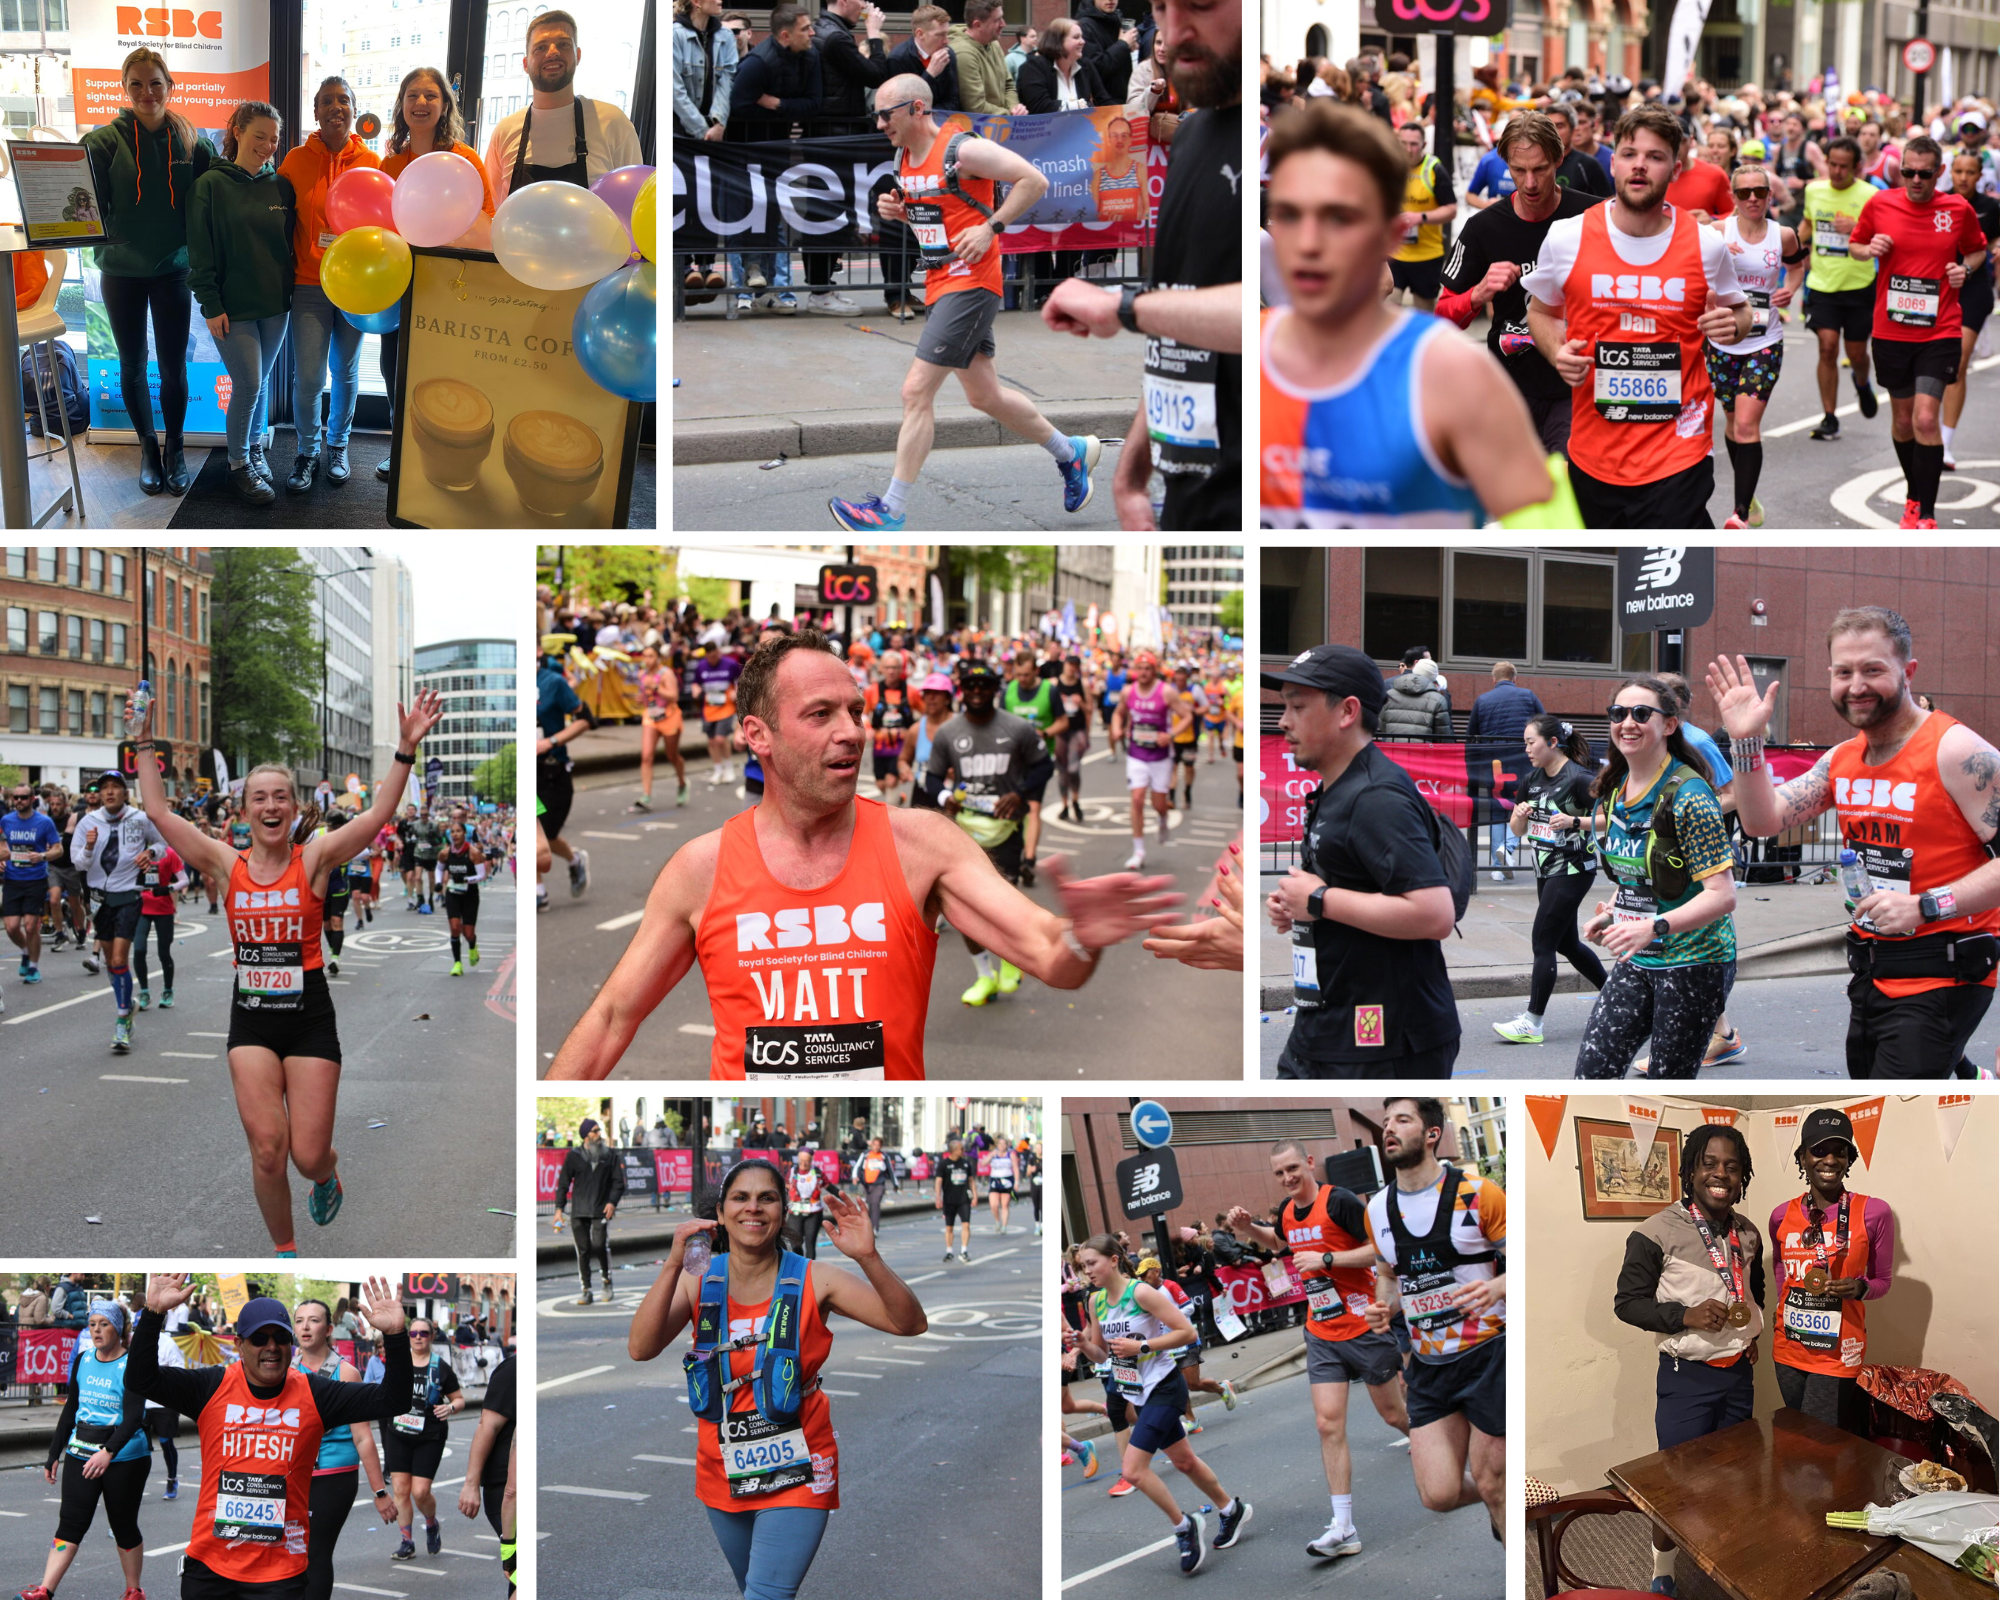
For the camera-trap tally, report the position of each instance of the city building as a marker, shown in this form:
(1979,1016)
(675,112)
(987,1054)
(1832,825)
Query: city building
(77,639)
(476,679)
(761,577)
(911,1123)
(393,616)
(1082,579)
(344,698)
(1198,576)
(902,577)
(1223,1150)
(1138,583)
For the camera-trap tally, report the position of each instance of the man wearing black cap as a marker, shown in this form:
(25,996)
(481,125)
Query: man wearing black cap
(1370,901)
(595,1174)
(1832,1250)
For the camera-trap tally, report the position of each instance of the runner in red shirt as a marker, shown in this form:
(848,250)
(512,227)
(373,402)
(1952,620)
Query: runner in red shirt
(1700,186)
(1926,243)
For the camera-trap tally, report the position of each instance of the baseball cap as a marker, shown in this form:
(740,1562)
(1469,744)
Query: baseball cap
(1339,668)
(1825,1124)
(1752,150)
(1149,1264)
(1972,119)
(263,1312)
(935,683)
(111,775)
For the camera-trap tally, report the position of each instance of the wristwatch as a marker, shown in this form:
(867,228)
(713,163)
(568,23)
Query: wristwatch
(1937,905)
(1128,316)
(1660,928)
(1315,903)
(1145,1347)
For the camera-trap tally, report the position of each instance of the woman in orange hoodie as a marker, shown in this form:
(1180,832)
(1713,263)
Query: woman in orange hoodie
(426,119)
(318,328)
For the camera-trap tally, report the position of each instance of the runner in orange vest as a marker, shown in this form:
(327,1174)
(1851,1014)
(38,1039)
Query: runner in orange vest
(812,913)
(1622,301)
(1917,794)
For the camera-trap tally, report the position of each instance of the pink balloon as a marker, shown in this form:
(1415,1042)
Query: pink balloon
(619,188)
(360,198)
(437,198)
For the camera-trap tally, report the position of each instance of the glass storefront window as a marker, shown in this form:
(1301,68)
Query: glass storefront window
(1576,612)
(1489,609)
(1402,602)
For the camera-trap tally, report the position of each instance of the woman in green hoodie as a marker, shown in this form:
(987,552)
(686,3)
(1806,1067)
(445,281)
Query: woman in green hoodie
(146,162)
(240,252)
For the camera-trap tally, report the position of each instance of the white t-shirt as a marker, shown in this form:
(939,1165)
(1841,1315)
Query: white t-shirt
(1565,240)
(612,140)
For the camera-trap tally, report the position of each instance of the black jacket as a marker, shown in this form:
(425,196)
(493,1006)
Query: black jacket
(793,76)
(1105,51)
(584,1190)
(944,85)
(1036,83)
(847,73)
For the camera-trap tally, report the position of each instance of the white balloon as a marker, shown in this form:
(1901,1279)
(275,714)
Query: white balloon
(559,236)
(436,197)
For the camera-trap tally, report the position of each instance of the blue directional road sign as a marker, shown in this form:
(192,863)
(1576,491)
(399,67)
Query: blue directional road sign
(1151,1125)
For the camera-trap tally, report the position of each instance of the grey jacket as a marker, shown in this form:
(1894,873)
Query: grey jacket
(1414,710)
(1667,1268)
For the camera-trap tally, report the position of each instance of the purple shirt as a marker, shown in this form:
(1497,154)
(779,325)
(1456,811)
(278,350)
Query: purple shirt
(1876,1220)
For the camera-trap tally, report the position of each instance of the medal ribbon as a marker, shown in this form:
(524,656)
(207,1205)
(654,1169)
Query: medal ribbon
(1730,1266)
(1815,1236)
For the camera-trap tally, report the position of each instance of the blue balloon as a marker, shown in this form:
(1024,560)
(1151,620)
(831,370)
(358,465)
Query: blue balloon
(378,322)
(617,332)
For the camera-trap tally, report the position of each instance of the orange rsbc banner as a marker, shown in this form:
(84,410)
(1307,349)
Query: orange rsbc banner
(219,54)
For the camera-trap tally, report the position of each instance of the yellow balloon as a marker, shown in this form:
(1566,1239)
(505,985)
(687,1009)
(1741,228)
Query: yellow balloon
(365,270)
(645,219)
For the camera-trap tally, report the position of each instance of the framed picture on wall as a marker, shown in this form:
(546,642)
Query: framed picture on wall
(1619,1184)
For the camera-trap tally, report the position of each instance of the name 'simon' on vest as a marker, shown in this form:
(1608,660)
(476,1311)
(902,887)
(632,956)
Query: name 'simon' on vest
(1636,286)
(798,926)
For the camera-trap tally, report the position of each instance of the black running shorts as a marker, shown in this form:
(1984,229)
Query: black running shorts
(117,922)
(418,1457)
(957,1205)
(1908,366)
(464,906)
(307,1032)
(1850,311)
(1475,1383)
(26,898)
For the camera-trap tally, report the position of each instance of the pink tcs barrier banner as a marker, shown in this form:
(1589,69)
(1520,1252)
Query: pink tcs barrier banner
(1253,1288)
(673,1169)
(548,1167)
(920,1168)
(41,1355)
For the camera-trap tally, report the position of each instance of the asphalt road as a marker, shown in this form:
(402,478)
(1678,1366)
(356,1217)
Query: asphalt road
(1110,1028)
(939,1438)
(1012,487)
(1795,1028)
(143,1154)
(468,1569)
(1267,1451)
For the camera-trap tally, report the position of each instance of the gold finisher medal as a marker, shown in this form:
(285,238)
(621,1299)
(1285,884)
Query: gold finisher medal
(1815,1280)
(1739,1315)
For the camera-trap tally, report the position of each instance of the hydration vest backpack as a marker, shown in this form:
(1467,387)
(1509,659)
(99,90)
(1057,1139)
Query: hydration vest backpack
(777,1380)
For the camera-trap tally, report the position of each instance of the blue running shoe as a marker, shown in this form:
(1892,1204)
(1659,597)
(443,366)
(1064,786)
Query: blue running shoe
(872,516)
(433,1539)
(288,1255)
(324,1201)
(1077,487)
(31,975)
(173,1489)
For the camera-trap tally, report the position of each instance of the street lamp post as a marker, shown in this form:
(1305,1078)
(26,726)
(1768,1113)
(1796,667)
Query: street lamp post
(325,707)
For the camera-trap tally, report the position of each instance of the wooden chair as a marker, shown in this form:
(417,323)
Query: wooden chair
(1552,1520)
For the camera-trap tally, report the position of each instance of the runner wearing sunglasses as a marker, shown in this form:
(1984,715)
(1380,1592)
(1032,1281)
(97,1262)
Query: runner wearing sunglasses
(1770,266)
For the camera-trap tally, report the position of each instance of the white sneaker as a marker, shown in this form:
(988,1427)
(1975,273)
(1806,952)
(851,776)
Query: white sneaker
(831,300)
(714,777)
(1499,877)
(1336,1541)
(1136,860)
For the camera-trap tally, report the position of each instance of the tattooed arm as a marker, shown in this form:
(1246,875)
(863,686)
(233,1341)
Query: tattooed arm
(1970,770)
(1765,809)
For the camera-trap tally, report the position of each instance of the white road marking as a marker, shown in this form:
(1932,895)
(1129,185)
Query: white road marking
(208,1036)
(168,1549)
(890,1361)
(445,1483)
(13,1513)
(473,1555)
(925,1277)
(570,1377)
(672,1461)
(846,1394)
(362,1588)
(1112,1566)
(428,1572)
(873,1377)
(596,1494)
(126,1077)
(189,1055)
(622,838)
(616,923)
(29,1016)
(705,1030)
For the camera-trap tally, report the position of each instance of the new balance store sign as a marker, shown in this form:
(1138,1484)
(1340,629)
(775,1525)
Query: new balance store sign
(1665,586)
(1149,1183)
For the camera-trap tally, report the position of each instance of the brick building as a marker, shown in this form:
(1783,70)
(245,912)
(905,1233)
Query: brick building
(81,627)
(901,571)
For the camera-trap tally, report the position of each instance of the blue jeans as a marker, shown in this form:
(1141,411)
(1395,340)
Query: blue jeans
(769,1551)
(1499,839)
(777,268)
(249,350)
(318,329)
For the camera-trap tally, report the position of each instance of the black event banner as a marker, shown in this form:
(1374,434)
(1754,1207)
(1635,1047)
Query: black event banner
(737,194)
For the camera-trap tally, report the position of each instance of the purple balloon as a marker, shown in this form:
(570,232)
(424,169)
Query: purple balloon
(619,188)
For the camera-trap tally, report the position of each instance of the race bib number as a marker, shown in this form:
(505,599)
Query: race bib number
(1324,1302)
(716,694)
(1913,302)
(1637,382)
(326,240)
(852,1050)
(1149,738)
(1305,966)
(1542,829)
(1181,413)
(1431,1303)
(270,977)
(23,856)
(410,1423)
(1888,872)
(759,1457)
(250,1507)
(149,877)
(958,1177)
(1811,1326)
(1828,240)
(1126,1375)
(926,220)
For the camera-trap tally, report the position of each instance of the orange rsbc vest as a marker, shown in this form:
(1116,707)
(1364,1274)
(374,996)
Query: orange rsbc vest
(1335,1301)
(938,218)
(275,931)
(831,982)
(1908,831)
(1818,1332)
(256,1481)
(711,1477)
(1645,412)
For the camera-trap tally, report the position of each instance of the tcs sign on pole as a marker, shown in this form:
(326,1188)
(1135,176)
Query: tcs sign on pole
(847,586)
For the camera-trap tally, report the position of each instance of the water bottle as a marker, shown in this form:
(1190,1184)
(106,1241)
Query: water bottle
(1854,879)
(695,1254)
(136,707)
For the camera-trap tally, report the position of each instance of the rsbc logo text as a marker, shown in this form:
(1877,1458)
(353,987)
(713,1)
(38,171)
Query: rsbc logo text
(169,22)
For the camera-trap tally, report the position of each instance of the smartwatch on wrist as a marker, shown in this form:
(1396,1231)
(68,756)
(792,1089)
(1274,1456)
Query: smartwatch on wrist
(1145,1347)
(1316,904)
(1660,928)
(1937,905)
(1128,315)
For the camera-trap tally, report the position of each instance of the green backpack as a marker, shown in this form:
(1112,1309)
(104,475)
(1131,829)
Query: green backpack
(1666,861)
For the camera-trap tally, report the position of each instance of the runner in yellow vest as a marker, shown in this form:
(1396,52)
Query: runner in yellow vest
(1428,203)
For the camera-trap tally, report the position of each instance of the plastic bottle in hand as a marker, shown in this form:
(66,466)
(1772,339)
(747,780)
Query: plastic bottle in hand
(135,708)
(1854,879)
(695,1254)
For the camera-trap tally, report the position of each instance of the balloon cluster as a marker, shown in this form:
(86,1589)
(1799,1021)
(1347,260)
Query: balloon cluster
(547,235)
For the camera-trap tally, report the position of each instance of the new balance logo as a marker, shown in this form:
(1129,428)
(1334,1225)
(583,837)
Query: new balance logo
(1660,567)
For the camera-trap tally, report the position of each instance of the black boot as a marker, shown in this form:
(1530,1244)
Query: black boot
(249,486)
(303,472)
(174,464)
(151,479)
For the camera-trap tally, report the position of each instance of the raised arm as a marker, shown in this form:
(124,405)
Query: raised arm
(212,856)
(879,1299)
(415,723)
(1762,809)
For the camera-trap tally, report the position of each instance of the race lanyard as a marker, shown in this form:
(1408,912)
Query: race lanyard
(1814,1279)
(1730,1266)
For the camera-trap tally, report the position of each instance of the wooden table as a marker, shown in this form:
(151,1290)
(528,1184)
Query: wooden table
(1933,1579)
(1748,1505)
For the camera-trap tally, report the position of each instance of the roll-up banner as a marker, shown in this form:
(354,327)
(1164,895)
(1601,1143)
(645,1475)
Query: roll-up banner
(219,52)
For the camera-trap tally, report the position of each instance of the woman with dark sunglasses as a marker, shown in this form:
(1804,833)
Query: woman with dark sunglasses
(1666,849)
(415,1441)
(1770,265)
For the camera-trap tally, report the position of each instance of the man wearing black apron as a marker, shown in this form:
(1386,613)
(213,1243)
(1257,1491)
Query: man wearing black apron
(558,137)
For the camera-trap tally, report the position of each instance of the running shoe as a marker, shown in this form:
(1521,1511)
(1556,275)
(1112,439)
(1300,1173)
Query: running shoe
(1663,1586)
(681,795)
(287,1255)
(1191,1428)
(1829,427)
(1233,1523)
(61,940)
(1519,1031)
(745,304)
(34,975)
(983,989)
(427,910)
(1228,1388)
(458,969)
(1910,515)
(947,1255)
(1756,517)
(145,999)
(129,1593)
(1734,521)
(865,516)
(1194,1548)
(1336,1541)
(754,279)
(1120,1489)
(1027,879)
(36,1593)
(1077,487)
(541,897)
(333,969)
(473,955)
(1010,977)
(1731,1049)
(166,999)
(324,1202)
(965,1256)
(832,300)
(1088,1457)
(433,1539)
(786,304)
(1926,522)
(1865,397)
(1135,861)
(173,1489)
(640,804)
(92,965)
(579,874)
(586,1297)
(121,1037)
(406,1551)
(1950,462)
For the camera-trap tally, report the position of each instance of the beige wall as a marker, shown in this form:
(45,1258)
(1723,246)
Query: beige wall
(1591,1377)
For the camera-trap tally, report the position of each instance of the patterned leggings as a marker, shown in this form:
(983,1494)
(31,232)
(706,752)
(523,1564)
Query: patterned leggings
(1677,1006)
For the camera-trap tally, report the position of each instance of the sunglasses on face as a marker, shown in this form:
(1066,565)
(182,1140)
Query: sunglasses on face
(887,113)
(1752,194)
(264,1336)
(1919,174)
(1639,714)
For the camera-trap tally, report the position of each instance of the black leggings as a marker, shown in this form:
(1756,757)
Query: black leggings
(808,1225)
(331,1499)
(592,1236)
(162,1425)
(875,1192)
(126,303)
(1676,1005)
(164,926)
(122,1487)
(1556,934)
(490,1496)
